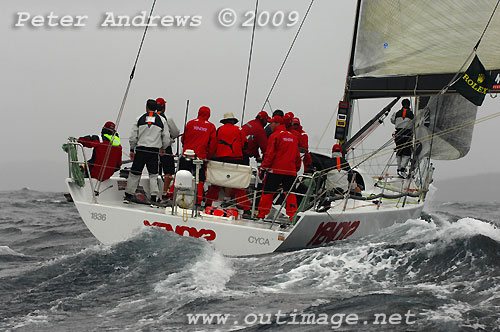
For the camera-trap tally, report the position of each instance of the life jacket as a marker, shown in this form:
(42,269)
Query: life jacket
(221,212)
(116,139)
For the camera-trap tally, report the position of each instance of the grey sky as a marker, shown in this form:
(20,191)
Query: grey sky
(60,82)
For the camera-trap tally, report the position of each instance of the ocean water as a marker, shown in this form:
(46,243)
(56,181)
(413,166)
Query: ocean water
(439,273)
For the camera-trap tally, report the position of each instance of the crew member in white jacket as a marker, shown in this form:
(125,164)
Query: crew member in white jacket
(403,137)
(150,137)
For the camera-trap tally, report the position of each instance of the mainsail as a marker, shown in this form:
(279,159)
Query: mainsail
(415,47)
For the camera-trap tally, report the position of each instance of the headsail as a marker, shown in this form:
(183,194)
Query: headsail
(415,47)
(451,118)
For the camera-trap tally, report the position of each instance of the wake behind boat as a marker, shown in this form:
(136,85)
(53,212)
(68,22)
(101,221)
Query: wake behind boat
(381,66)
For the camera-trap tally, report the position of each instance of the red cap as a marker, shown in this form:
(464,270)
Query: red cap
(204,112)
(161,101)
(263,115)
(110,125)
(336,148)
(287,119)
(275,118)
(296,121)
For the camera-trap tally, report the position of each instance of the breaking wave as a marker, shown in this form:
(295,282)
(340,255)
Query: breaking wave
(55,277)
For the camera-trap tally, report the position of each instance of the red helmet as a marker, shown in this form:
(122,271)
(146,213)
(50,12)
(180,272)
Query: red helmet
(275,118)
(161,101)
(109,125)
(263,115)
(336,148)
(296,121)
(287,119)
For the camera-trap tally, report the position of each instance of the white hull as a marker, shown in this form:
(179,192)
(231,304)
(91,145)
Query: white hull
(111,221)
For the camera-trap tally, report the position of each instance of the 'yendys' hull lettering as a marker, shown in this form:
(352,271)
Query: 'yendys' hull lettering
(333,231)
(206,234)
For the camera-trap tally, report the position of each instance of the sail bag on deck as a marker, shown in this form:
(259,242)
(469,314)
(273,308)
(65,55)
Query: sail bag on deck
(228,175)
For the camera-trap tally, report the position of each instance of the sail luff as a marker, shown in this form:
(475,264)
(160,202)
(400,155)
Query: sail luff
(350,68)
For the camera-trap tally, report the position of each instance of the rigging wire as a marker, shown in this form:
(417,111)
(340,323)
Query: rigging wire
(122,106)
(326,128)
(270,106)
(249,61)
(288,54)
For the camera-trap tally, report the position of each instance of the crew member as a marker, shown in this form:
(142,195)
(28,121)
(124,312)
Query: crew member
(281,163)
(403,121)
(167,163)
(256,136)
(337,177)
(149,136)
(269,129)
(199,136)
(303,144)
(231,141)
(102,152)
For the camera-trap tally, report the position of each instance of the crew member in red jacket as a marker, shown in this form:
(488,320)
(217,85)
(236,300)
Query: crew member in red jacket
(256,136)
(199,136)
(281,162)
(231,141)
(96,163)
(303,144)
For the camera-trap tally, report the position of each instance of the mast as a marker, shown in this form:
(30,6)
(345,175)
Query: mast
(350,68)
(344,112)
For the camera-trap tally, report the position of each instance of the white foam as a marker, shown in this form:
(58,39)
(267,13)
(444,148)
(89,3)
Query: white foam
(422,231)
(347,264)
(337,268)
(207,276)
(33,318)
(92,249)
(5,250)
(450,312)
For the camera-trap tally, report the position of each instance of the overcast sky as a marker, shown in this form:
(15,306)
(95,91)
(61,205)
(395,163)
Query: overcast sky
(67,81)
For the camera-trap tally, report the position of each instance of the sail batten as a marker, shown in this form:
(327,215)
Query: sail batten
(400,86)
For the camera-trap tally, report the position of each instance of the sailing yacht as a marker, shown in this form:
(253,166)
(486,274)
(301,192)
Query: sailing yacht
(415,50)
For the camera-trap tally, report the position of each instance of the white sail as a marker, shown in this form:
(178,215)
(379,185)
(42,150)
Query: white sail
(451,118)
(403,37)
